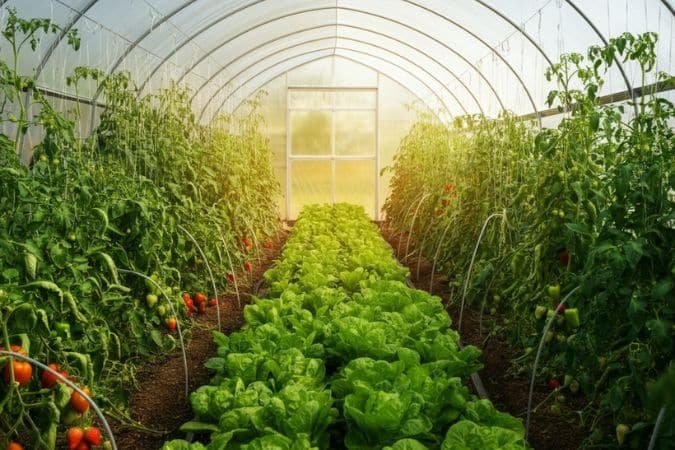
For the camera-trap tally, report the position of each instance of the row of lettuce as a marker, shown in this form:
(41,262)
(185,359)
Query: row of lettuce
(342,354)
(131,196)
(588,204)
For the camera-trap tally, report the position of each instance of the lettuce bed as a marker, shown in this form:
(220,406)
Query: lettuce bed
(344,355)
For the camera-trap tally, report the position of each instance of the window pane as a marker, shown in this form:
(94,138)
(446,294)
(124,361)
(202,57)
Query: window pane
(357,99)
(310,183)
(310,99)
(310,133)
(355,183)
(355,133)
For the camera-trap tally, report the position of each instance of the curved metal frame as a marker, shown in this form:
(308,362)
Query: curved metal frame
(334,47)
(519,29)
(378,47)
(49,53)
(590,23)
(304,11)
(480,108)
(669,6)
(147,32)
(334,55)
(491,48)
(59,39)
(210,25)
(336,25)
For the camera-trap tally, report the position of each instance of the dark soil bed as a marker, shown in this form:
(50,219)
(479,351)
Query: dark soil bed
(159,404)
(508,392)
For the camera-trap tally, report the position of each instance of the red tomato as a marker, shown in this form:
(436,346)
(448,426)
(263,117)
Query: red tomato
(16,349)
(78,402)
(171,324)
(23,372)
(247,266)
(14,446)
(564,257)
(49,379)
(74,437)
(230,278)
(553,383)
(213,302)
(92,435)
(200,297)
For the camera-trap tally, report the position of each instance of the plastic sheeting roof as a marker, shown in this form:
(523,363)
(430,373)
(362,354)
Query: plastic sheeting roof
(461,56)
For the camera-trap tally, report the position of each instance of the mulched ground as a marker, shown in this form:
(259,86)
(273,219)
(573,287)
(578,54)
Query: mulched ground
(508,392)
(159,405)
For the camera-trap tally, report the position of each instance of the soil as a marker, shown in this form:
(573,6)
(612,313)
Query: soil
(159,405)
(508,391)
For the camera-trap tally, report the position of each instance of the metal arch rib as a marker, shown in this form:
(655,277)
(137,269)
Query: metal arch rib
(142,37)
(469,63)
(519,29)
(487,45)
(64,31)
(441,43)
(345,26)
(193,36)
(669,6)
(335,45)
(334,54)
(616,60)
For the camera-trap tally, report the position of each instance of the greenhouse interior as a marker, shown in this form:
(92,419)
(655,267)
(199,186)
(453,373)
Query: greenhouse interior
(337,224)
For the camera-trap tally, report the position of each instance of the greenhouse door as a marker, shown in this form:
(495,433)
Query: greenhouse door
(332,147)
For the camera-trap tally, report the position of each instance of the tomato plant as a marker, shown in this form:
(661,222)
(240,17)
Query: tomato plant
(84,206)
(585,204)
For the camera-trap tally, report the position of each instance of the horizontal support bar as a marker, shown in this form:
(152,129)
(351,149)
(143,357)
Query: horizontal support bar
(616,97)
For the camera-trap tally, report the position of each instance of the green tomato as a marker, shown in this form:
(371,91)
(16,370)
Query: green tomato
(162,310)
(622,431)
(553,291)
(70,417)
(550,335)
(43,158)
(151,300)
(572,317)
(540,312)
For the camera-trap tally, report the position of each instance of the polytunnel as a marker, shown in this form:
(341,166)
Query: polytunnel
(295,224)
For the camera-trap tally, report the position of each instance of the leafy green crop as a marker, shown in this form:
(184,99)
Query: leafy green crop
(342,354)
